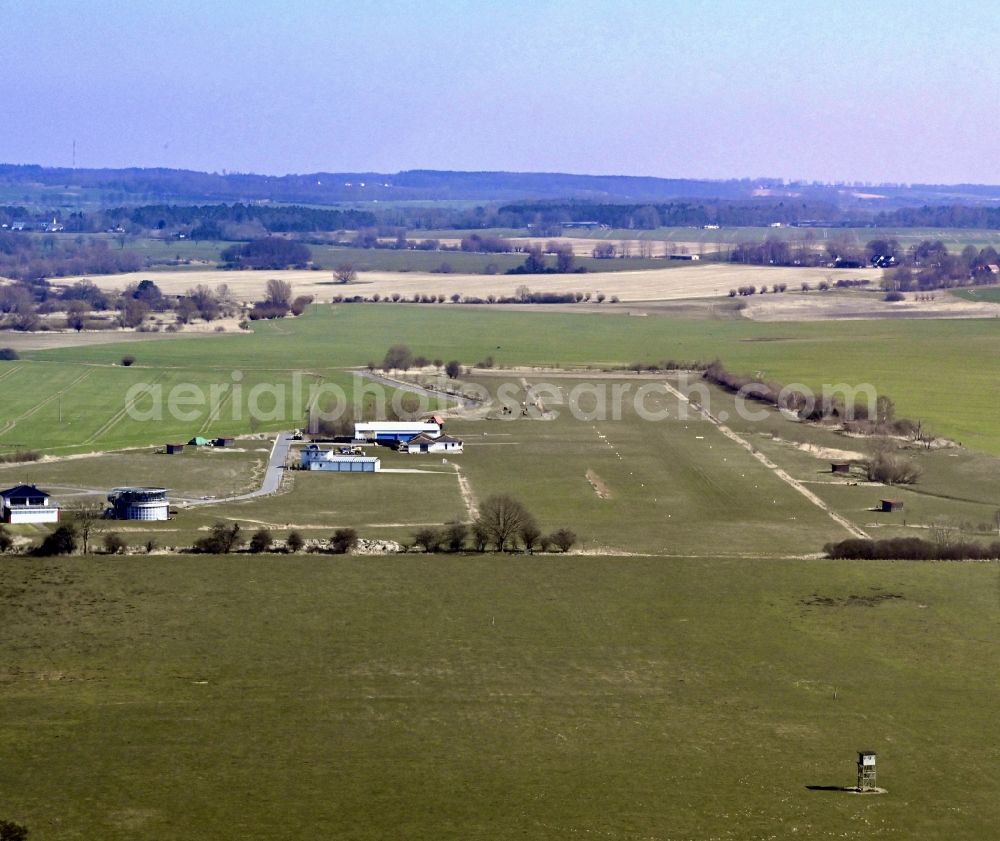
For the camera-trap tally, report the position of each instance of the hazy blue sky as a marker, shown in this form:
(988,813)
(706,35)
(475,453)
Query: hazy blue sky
(877,91)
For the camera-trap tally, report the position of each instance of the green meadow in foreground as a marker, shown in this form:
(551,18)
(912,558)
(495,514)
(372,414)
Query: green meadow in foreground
(496,697)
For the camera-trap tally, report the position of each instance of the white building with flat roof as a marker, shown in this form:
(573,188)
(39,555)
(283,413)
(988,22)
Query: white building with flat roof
(313,458)
(27,504)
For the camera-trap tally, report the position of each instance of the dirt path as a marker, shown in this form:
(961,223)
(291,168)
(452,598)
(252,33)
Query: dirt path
(10,371)
(467,496)
(597,483)
(770,465)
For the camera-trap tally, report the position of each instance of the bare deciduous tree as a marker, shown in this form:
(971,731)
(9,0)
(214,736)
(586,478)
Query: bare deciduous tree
(502,517)
(278,292)
(345,273)
(87,522)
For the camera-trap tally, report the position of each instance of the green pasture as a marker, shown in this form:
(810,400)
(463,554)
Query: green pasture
(990,294)
(496,698)
(71,407)
(628,484)
(954,238)
(197,472)
(957,490)
(381,505)
(669,483)
(170,251)
(943,372)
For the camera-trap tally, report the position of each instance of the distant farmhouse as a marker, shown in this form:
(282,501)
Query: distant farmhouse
(313,458)
(27,504)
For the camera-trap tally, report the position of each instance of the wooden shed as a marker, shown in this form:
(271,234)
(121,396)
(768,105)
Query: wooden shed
(224,442)
(840,467)
(174,449)
(890,505)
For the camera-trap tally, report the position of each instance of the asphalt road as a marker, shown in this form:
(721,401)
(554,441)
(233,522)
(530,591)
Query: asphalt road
(272,474)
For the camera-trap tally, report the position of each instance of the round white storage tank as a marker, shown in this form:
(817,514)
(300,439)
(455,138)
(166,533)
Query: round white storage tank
(140,503)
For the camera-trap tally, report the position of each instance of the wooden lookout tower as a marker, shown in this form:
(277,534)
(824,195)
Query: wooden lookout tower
(866,771)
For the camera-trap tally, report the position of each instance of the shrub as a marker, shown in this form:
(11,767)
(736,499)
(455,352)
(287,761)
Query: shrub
(223,539)
(8,354)
(114,544)
(264,310)
(260,541)
(529,534)
(911,549)
(563,539)
(429,539)
(343,541)
(19,457)
(399,357)
(294,542)
(454,536)
(480,536)
(10,831)
(6,541)
(891,469)
(894,296)
(60,542)
(128,360)
(299,304)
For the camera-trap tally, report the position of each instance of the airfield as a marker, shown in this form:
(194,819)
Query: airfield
(692,668)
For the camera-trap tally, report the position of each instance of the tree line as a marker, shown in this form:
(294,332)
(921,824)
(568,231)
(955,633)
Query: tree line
(27,258)
(503,523)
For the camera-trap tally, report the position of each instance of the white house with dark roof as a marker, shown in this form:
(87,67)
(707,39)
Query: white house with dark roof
(27,504)
(424,443)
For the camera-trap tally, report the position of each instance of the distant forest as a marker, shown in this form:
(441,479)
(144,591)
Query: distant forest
(240,222)
(109,187)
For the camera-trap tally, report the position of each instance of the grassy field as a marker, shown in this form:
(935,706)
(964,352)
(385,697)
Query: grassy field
(371,259)
(207,471)
(983,293)
(74,407)
(923,365)
(954,238)
(496,698)
(625,485)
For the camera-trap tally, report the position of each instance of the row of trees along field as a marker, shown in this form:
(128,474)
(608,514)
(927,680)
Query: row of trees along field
(503,522)
(30,258)
(199,222)
(240,221)
(926,265)
(83,306)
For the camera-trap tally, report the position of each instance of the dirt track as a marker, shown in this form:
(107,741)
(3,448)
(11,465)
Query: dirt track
(770,465)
